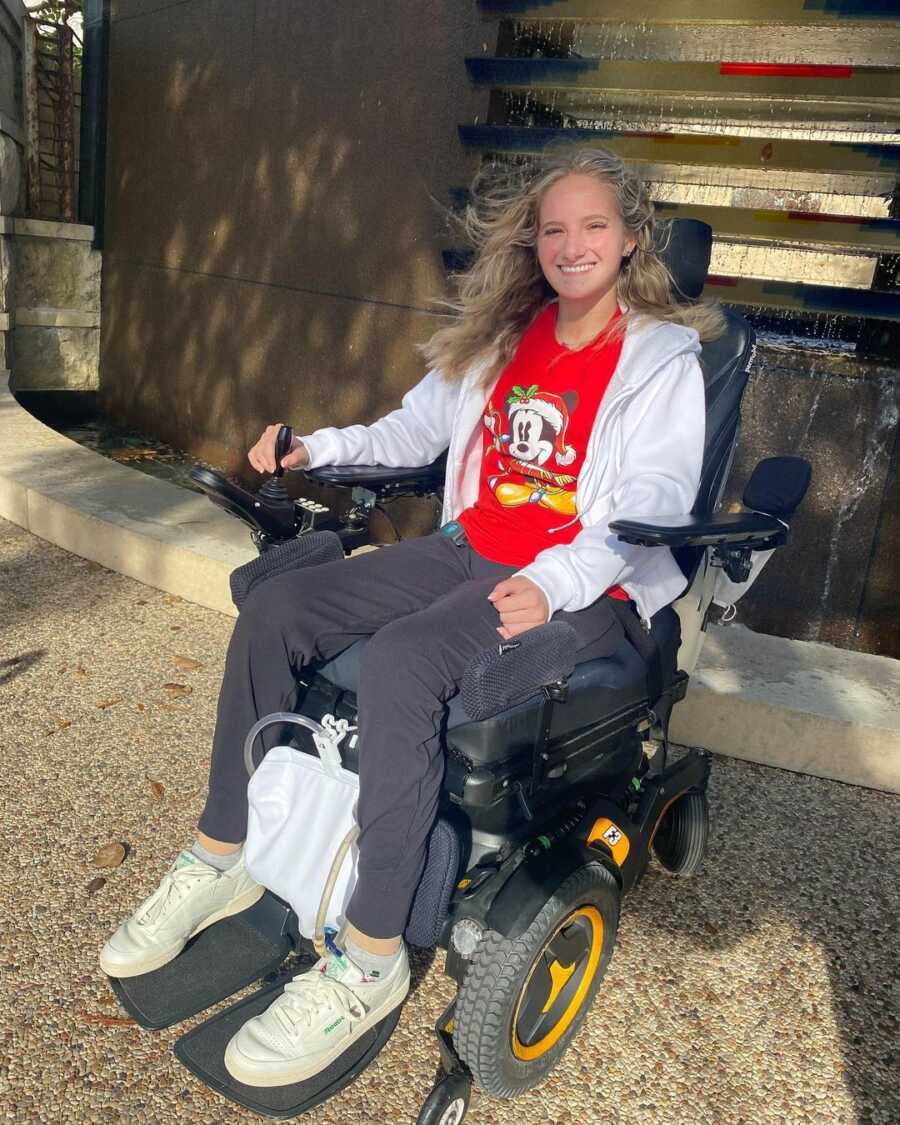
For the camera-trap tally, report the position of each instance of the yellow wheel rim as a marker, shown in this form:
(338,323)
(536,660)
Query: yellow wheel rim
(557,984)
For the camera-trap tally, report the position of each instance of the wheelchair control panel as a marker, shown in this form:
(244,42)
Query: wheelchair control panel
(274,518)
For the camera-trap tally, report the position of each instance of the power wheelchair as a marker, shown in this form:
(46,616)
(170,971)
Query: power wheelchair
(557,787)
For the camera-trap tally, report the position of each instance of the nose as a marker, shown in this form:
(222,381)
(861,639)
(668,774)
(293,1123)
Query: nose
(573,247)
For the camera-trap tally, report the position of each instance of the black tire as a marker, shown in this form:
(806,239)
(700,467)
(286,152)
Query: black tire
(506,1040)
(681,838)
(448,1101)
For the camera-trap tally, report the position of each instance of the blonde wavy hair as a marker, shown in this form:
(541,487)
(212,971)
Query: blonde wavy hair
(504,289)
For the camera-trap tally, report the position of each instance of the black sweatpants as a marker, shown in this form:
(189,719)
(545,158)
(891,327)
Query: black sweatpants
(424,604)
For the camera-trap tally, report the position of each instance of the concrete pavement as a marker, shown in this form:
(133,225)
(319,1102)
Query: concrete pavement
(758,992)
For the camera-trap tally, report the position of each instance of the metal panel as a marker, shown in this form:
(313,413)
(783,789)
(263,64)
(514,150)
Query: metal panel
(801,165)
(762,12)
(728,79)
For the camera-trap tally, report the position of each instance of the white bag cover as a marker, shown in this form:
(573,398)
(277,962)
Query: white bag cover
(301,808)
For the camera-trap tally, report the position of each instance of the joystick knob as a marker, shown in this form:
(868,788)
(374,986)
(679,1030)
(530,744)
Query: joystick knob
(273,491)
(283,442)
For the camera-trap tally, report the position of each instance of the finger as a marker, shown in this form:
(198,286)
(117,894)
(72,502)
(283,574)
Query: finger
(513,631)
(505,588)
(519,615)
(514,602)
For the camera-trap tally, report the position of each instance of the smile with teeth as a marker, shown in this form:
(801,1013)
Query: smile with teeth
(583,268)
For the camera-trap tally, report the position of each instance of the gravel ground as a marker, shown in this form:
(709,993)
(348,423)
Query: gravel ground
(764,990)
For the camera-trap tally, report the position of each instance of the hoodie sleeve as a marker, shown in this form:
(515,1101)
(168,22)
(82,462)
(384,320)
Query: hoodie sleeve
(411,436)
(661,461)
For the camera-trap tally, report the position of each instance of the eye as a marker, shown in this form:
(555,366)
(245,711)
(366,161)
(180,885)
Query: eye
(551,231)
(597,226)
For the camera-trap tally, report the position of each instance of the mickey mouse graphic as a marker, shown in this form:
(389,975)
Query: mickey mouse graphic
(537,424)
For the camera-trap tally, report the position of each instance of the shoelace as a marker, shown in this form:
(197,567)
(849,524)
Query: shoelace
(174,887)
(311,993)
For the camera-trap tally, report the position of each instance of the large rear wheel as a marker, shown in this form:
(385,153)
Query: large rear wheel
(522,1001)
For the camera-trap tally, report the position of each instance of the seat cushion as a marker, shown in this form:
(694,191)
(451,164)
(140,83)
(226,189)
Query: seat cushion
(597,689)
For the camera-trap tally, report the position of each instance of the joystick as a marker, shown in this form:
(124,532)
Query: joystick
(273,493)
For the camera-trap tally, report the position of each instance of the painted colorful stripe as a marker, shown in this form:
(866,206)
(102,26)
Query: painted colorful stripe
(784,70)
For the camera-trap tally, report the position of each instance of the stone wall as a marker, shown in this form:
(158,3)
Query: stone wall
(53,297)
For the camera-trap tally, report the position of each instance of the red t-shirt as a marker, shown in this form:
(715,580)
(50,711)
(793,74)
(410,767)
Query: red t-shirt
(537,422)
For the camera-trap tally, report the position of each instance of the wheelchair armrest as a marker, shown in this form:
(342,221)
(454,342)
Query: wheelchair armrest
(752,530)
(382,480)
(513,671)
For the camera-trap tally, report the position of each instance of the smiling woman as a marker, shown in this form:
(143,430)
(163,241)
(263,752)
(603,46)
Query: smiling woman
(574,207)
(563,400)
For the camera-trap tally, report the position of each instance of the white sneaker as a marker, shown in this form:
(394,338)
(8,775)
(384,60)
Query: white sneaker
(191,897)
(317,1017)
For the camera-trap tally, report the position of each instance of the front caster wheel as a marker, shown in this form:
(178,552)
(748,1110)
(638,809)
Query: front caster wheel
(523,1000)
(681,838)
(448,1101)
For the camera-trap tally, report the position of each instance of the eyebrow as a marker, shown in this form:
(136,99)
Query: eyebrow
(585,218)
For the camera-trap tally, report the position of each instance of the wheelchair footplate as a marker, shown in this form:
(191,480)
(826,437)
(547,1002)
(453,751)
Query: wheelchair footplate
(217,963)
(202,1051)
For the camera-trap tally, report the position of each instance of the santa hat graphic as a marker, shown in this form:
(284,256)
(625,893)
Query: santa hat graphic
(551,408)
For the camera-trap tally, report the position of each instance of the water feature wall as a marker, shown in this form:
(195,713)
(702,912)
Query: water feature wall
(273,249)
(775,123)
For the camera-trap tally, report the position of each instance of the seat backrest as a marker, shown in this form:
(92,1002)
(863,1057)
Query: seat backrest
(685,248)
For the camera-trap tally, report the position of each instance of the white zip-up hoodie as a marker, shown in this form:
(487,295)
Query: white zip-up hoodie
(643,460)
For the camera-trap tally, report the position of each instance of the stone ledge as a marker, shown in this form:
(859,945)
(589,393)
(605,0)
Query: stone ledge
(6,322)
(44,228)
(144,528)
(46,317)
(789,704)
(796,705)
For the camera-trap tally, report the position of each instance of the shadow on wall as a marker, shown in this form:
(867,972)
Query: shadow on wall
(273,247)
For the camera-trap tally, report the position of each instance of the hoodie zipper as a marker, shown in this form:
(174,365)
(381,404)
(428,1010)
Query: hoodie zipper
(614,407)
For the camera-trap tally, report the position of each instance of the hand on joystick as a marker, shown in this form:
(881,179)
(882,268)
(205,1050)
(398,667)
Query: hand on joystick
(269,455)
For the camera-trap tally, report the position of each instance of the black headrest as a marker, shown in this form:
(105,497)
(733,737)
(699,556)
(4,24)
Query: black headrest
(685,246)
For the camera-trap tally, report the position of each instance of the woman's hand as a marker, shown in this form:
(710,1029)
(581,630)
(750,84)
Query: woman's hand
(521,605)
(262,455)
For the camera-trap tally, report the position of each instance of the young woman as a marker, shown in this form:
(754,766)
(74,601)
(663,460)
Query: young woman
(567,393)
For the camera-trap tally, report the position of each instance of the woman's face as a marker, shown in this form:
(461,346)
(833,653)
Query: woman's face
(582,240)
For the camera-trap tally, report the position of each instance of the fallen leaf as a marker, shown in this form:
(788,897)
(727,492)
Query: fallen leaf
(79,671)
(187,664)
(178,689)
(173,599)
(110,702)
(157,789)
(95,885)
(110,855)
(141,707)
(175,628)
(107,1021)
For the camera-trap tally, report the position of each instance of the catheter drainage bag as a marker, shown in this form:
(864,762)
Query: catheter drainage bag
(301,808)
